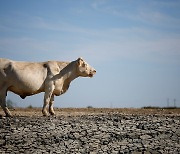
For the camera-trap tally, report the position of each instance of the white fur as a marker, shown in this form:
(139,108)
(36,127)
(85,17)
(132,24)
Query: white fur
(30,78)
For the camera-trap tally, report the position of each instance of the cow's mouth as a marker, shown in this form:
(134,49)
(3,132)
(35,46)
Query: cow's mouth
(90,75)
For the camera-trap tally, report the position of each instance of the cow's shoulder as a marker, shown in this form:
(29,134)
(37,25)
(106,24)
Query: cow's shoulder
(62,64)
(54,67)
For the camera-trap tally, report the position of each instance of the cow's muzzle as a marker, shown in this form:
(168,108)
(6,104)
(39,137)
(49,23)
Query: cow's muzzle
(92,73)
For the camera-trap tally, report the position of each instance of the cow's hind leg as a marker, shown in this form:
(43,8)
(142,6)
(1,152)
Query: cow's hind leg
(3,103)
(51,110)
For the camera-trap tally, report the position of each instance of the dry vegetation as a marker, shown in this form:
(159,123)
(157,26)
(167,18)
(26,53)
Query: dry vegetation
(89,111)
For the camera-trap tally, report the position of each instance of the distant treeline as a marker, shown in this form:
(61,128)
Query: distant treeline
(156,107)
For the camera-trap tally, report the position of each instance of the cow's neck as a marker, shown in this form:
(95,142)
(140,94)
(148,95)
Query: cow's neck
(68,73)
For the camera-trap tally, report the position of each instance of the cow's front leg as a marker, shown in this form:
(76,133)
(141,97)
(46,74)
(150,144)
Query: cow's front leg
(51,109)
(46,102)
(47,98)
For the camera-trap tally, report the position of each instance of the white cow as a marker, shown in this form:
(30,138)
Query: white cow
(29,78)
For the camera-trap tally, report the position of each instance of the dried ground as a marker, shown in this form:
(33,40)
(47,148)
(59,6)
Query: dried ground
(93,130)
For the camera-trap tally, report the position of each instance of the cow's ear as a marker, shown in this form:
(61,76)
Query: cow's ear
(79,61)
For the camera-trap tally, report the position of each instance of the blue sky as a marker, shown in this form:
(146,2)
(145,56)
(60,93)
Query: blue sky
(133,45)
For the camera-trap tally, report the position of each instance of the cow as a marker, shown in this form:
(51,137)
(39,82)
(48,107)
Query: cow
(30,78)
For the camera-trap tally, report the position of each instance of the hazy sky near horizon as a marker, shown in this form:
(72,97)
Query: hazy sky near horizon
(133,45)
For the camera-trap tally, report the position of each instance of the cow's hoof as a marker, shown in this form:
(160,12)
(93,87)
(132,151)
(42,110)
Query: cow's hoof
(52,113)
(9,116)
(45,115)
(2,117)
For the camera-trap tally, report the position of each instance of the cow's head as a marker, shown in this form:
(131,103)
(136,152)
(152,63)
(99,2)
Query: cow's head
(84,69)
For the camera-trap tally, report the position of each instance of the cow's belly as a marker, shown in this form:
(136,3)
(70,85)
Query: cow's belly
(26,86)
(24,90)
(23,82)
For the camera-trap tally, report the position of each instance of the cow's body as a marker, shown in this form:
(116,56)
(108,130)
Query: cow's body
(28,78)
(25,78)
